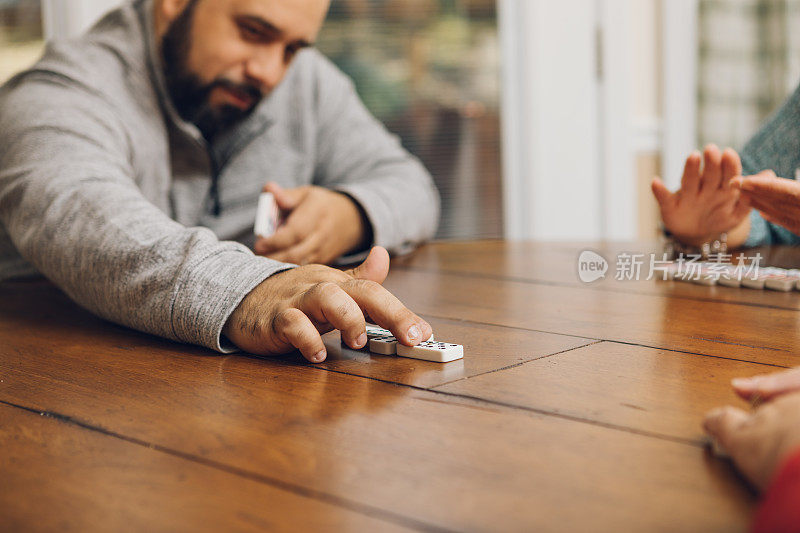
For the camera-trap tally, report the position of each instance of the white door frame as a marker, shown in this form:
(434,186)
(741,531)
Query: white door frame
(512,15)
(550,127)
(679,18)
(617,134)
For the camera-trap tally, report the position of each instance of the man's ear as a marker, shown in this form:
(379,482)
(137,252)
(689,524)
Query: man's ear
(170,9)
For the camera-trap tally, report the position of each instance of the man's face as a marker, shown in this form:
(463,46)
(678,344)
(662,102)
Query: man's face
(221,57)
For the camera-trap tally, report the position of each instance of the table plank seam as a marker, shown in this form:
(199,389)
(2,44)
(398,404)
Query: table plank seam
(534,330)
(630,343)
(555,414)
(358,507)
(514,365)
(688,352)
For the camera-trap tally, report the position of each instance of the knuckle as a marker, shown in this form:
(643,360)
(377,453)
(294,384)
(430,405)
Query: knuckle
(345,312)
(325,289)
(282,321)
(368,287)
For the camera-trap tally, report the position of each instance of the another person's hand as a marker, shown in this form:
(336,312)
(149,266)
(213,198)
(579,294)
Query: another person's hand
(706,205)
(758,442)
(777,199)
(765,387)
(321,226)
(292,308)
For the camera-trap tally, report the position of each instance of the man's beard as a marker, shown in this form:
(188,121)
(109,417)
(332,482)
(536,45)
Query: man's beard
(189,94)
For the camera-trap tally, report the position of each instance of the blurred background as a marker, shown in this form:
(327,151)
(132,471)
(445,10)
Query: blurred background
(538,119)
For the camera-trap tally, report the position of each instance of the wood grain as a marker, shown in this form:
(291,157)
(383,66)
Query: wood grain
(441,461)
(712,328)
(643,389)
(59,477)
(556,264)
(491,348)
(538,428)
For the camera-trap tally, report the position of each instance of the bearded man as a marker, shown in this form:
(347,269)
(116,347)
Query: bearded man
(132,158)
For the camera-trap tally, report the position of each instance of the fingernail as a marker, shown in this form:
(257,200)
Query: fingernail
(319,356)
(361,340)
(414,333)
(742,383)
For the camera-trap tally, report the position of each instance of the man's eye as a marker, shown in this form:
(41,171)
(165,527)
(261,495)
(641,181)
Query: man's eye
(291,51)
(249,33)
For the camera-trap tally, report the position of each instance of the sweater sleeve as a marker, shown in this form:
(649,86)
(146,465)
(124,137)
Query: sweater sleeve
(780,509)
(356,155)
(70,203)
(776,146)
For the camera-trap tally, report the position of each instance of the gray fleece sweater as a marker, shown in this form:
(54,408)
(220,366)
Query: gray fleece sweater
(106,191)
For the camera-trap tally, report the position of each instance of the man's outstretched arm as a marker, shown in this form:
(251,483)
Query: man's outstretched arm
(69,201)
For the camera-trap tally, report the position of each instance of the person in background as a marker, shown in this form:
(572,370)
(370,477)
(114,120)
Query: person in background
(132,158)
(740,195)
(765,444)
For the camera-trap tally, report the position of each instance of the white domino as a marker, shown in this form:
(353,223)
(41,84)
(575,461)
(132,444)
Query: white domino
(383,345)
(377,331)
(754,282)
(780,283)
(374,332)
(381,340)
(779,279)
(439,352)
(266,215)
(760,281)
(730,279)
(706,276)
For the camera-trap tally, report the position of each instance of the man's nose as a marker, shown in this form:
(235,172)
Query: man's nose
(267,67)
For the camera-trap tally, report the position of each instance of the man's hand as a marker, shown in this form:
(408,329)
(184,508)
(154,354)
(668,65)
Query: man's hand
(292,308)
(765,387)
(706,204)
(321,226)
(761,441)
(777,199)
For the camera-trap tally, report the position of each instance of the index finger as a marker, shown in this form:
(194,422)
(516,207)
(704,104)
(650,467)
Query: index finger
(284,238)
(712,169)
(731,166)
(768,386)
(388,311)
(768,185)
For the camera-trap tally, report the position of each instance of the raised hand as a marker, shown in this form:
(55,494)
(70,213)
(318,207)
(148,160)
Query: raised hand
(707,204)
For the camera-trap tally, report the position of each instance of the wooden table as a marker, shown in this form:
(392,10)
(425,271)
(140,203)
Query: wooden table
(577,407)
